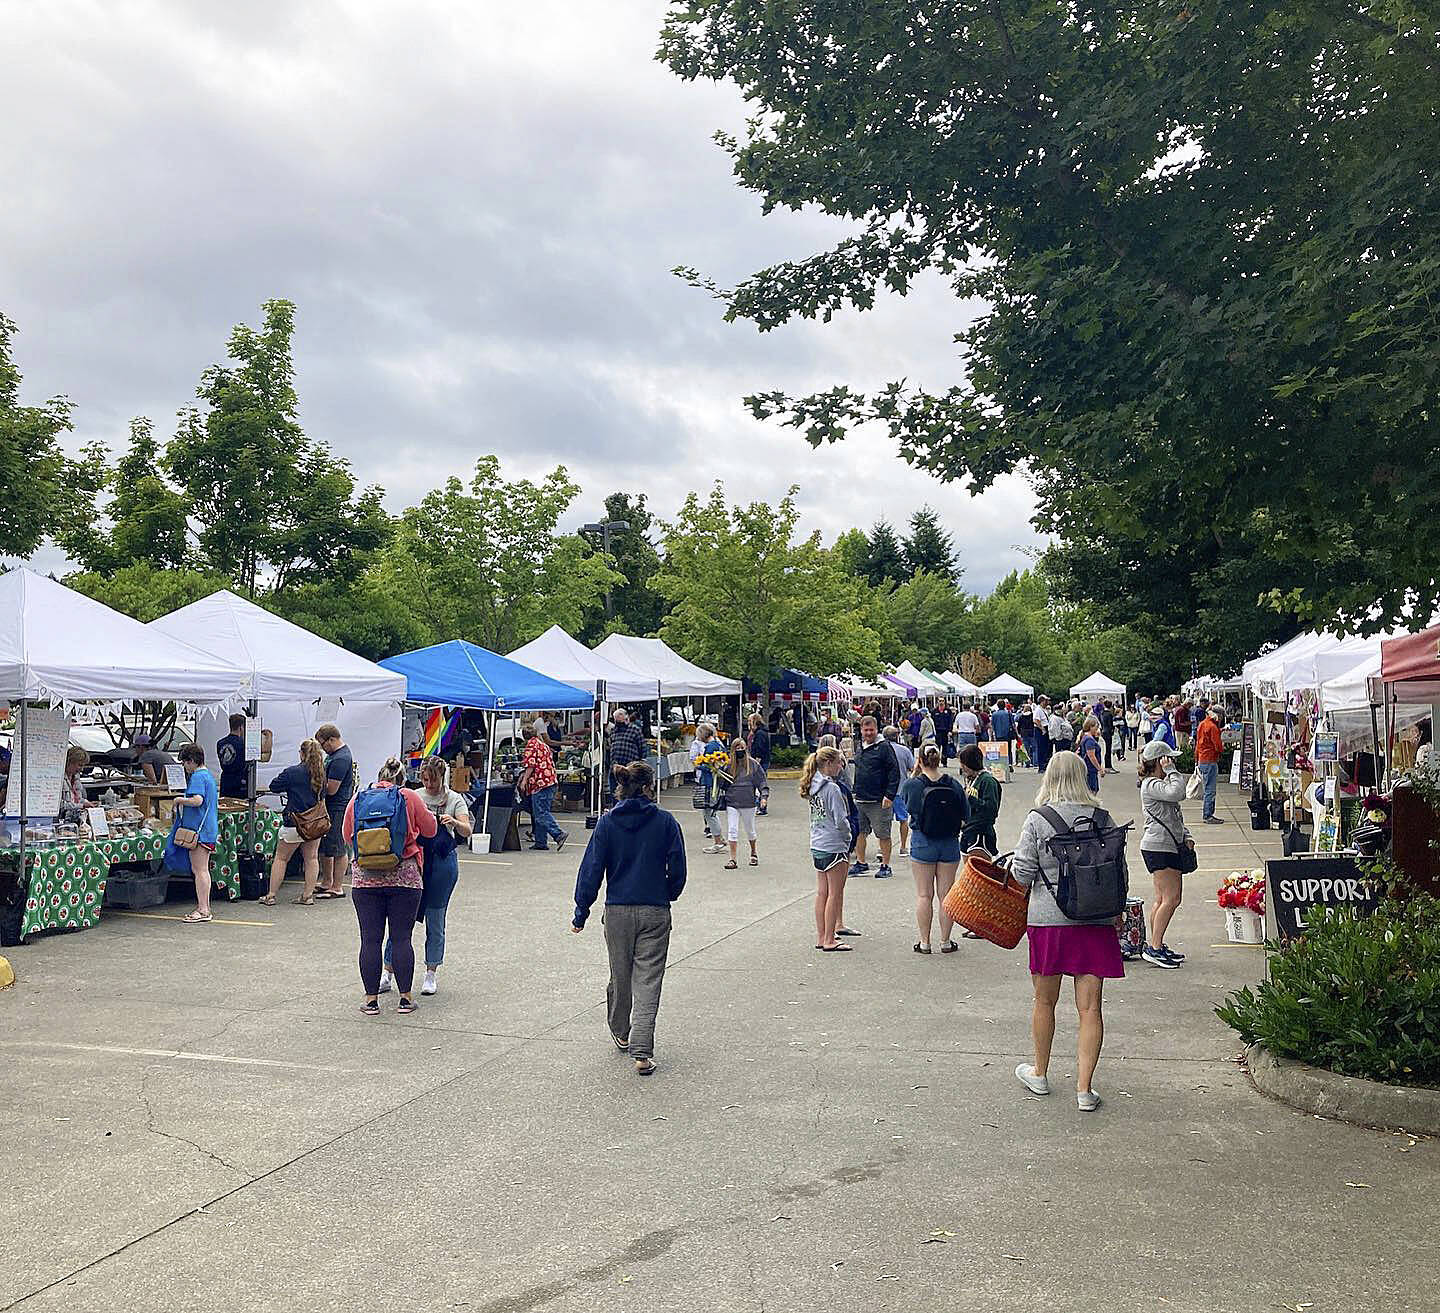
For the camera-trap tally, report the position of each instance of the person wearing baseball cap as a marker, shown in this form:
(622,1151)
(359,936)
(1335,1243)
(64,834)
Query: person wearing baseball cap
(1166,846)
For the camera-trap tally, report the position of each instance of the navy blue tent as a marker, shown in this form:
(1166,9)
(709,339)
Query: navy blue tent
(461,674)
(791,684)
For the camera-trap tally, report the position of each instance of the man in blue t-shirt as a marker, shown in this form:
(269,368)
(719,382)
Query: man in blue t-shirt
(230,753)
(339,789)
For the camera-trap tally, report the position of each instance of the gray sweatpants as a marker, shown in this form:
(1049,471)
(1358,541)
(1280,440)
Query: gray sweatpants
(638,940)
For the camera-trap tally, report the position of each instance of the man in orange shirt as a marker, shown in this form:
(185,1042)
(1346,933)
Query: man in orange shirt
(1207,761)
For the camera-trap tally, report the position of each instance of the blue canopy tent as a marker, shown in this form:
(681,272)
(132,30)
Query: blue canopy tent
(463,674)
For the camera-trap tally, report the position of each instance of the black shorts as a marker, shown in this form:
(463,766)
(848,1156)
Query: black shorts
(1184,862)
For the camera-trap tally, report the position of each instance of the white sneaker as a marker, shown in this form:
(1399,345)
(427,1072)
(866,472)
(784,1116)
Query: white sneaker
(714,848)
(387,981)
(1087,1100)
(1025,1074)
(428,985)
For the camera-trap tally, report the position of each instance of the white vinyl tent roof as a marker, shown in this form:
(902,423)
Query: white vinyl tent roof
(960,684)
(60,646)
(561,657)
(860,689)
(1008,686)
(912,675)
(654,660)
(1098,685)
(284,661)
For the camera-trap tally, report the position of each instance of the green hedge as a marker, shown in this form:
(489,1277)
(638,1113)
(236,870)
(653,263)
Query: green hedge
(788,758)
(1354,994)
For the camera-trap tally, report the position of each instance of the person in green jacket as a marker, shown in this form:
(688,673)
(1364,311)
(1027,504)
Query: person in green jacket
(982,790)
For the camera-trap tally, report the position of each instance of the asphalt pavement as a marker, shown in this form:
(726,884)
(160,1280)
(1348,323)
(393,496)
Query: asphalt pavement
(200,1117)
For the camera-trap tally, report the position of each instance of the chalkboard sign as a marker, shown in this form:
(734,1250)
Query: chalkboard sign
(1247,755)
(1296,886)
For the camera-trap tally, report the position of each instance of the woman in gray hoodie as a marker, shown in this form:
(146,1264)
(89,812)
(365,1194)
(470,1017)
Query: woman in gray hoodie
(830,840)
(742,797)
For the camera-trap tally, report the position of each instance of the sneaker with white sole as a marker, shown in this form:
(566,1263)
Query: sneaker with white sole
(429,985)
(1087,1100)
(1025,1074)
(714,848)
(1157,957)
(387,981)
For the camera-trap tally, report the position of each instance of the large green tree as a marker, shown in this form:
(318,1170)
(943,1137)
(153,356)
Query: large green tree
(930,547)
(1207,237)
(272,507)
(32,465)
(746,596)
(885,562)
(485,562)
(927,619)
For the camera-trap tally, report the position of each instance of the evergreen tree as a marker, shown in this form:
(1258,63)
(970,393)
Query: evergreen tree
(930,547)
(885,560)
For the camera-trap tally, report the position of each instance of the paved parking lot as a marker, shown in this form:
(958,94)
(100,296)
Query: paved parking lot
(200,1118)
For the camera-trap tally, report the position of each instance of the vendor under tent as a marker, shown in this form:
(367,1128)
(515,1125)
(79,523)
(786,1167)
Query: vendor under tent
(1098,685)
(80,660)
(1007,686)
(298,681)
(463,674)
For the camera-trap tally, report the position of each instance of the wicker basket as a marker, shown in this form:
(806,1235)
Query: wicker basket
(986,899)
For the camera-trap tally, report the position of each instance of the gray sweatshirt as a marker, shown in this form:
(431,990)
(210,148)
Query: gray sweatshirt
(744,790)
(829,816)
(1032,858)
(1160,797)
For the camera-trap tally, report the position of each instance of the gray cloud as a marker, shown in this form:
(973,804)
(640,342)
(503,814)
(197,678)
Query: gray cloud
(476,209)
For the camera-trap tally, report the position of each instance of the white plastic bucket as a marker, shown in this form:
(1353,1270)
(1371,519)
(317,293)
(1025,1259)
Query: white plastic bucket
(479,843)
(1244,926)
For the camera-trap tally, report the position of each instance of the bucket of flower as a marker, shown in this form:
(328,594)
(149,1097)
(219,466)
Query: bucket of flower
(1242,898)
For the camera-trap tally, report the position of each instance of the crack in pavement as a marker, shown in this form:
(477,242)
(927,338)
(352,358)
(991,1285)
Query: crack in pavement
(153,1129)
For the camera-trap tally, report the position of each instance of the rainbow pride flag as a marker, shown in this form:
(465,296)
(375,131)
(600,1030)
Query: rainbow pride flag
(439,731)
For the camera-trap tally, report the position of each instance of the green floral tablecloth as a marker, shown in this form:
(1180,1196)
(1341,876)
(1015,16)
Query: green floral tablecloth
(66,885)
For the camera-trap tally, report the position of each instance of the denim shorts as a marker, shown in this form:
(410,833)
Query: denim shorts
(933,850)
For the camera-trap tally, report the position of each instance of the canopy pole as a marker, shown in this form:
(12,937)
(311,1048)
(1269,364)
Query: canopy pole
(489,773)
(24,791)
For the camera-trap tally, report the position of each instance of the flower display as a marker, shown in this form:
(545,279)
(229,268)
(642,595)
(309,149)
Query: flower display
(713,760)
(1244,890)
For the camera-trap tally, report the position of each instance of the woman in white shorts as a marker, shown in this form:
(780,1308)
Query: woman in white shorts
(303,785)
(742,797)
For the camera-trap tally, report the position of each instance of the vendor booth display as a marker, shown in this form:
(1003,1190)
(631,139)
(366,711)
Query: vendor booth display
(463,674)
(65,657)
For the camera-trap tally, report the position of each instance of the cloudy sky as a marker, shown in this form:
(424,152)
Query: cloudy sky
(475,208)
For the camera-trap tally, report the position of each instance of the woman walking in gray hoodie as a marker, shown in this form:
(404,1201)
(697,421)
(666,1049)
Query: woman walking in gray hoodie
(830,840)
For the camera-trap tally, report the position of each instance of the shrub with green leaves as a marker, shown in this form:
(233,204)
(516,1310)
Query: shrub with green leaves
(787,758)
(1359,995)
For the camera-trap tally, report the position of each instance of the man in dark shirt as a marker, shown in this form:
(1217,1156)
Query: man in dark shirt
(339,789)
(944,720)
(230,753)
(627,743)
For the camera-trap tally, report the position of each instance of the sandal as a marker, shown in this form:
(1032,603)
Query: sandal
(754,861)
(839,948)
(301,901)
(920,948)
(197,917)
(266,900)
(730,866)
(950,947)
(329,893)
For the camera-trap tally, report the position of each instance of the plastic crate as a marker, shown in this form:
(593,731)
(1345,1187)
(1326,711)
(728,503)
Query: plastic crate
(136,890)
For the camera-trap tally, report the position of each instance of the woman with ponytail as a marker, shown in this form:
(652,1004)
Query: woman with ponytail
(303,785)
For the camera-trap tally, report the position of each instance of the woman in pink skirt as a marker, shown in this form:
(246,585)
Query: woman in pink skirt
(1089,951)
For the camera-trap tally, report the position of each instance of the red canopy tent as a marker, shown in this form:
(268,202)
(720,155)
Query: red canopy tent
(1412,661)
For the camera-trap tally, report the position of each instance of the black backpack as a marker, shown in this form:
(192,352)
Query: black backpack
(943,810)
(1094,882)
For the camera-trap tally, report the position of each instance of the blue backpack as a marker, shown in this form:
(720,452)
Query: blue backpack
(382,826)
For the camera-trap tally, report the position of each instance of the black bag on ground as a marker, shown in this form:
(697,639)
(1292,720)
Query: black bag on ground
(943,810)
(1094,881)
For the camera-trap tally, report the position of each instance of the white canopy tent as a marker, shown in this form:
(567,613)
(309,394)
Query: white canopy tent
(59,646)
(298,679)
(862,690)
(961,685)
(561,657)
(651,659)
(912,675)
(1098,685)
(1006,685)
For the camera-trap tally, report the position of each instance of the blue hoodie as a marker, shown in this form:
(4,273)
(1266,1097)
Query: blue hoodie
(639,852)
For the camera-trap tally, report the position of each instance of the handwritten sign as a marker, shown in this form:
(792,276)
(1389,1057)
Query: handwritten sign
(1296,886)
(99,823)
(175,777)
(41,743)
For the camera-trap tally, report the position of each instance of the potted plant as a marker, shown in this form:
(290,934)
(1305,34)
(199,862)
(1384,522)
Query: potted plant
(1241,897)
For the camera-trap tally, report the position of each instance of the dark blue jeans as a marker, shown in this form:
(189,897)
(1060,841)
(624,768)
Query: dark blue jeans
(540,803)
(440,882)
